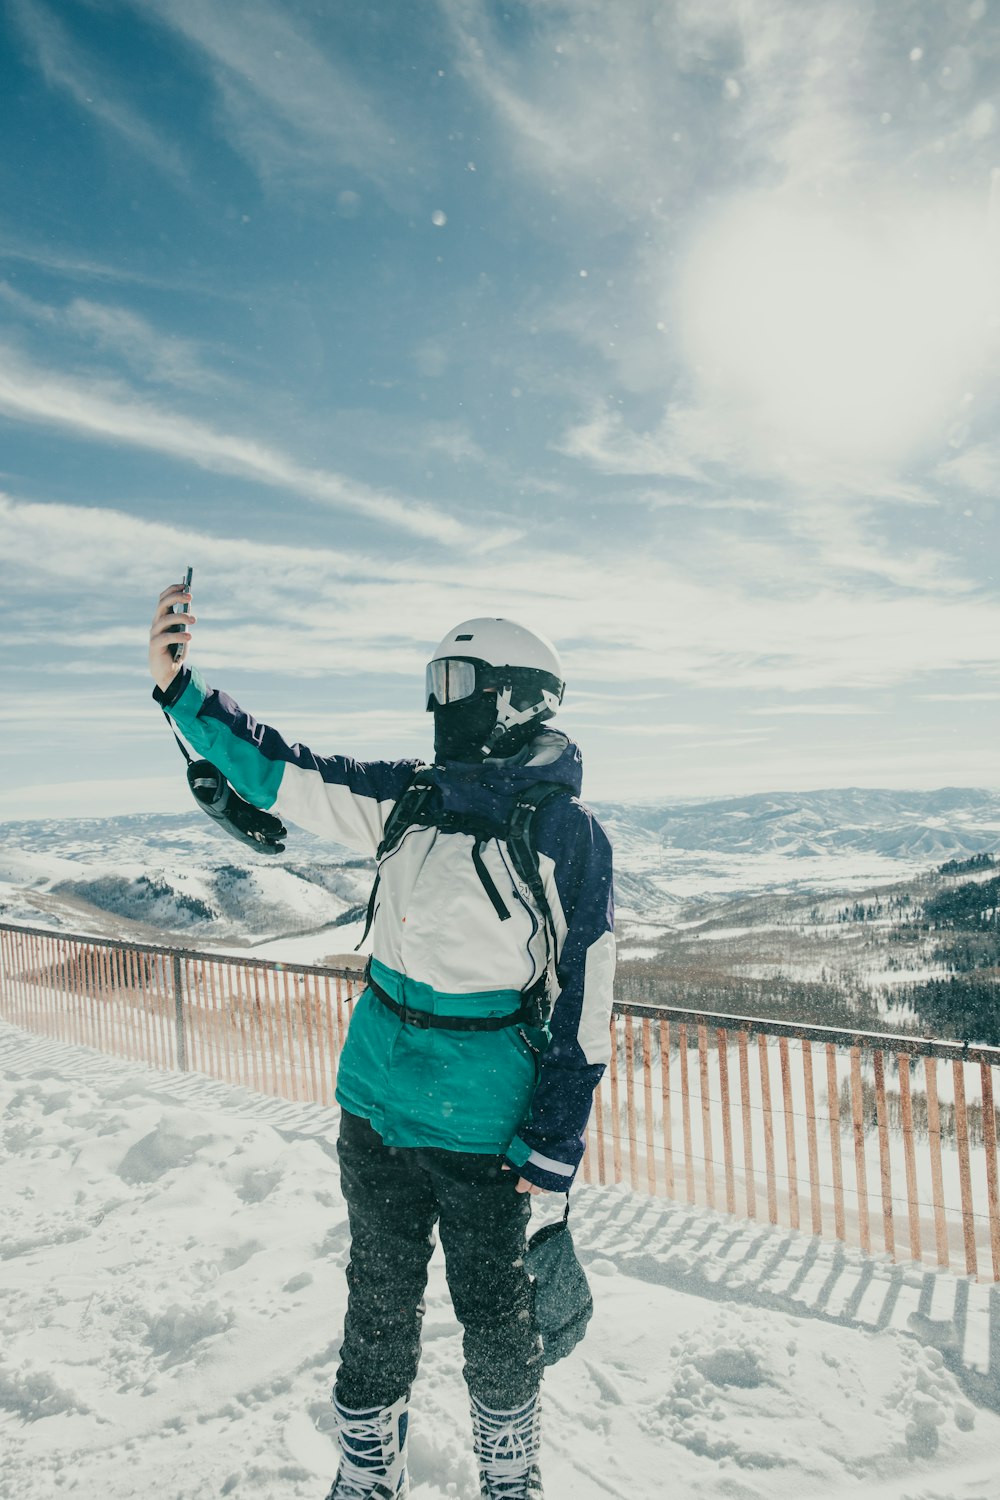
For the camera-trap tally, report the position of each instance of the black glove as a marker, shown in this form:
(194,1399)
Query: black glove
(251,825)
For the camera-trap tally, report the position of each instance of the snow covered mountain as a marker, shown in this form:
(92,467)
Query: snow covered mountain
(920,826)
(146,876)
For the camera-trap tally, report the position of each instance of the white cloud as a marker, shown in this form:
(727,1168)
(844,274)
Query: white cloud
(108,412)
(111,798)
(802,317)
(828,349)
(960,697)
(291,108)
(613,102)
(807,709)
(46,257)
(977,469)
(633,621)
(669,730)
(165,358)
(834,334)
(765,767)
(606,442)
(425,439)
(112,714)
(27,307)
(65,66)
(698,500)
(452,441)
(602,103)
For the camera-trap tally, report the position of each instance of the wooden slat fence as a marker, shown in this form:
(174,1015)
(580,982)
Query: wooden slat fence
(274,1028)
(885,1142)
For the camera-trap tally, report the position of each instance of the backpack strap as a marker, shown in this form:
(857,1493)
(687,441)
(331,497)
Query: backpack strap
(405,810)
(180,743)
(404,813)
(524,857)
(521,843)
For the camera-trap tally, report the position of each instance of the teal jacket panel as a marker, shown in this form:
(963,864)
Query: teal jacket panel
(456,1090)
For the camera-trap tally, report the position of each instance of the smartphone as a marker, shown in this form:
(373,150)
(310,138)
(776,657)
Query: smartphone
(177,652)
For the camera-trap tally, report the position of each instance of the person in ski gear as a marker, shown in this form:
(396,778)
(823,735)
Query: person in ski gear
(468,1072)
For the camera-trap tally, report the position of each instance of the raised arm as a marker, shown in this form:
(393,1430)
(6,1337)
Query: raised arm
(339,798)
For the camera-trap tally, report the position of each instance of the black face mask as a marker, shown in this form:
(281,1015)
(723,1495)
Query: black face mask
(461,729)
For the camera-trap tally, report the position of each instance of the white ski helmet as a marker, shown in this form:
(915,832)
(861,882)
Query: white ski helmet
(480,655)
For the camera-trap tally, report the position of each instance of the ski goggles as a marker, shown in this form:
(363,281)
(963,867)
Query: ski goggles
(449,679)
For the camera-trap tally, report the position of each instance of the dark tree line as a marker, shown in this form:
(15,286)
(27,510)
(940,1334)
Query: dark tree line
(960,1007)
(967,866)
(973,907)
(872,911)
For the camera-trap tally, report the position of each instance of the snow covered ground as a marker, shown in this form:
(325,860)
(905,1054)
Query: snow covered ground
(172,1272)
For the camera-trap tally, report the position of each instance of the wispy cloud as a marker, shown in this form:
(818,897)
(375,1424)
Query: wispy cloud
(293,110)
(798,317)
(66,66)
(629,99)
(31,714)
(109,412)
(70,266)
(628,621)
(600,104)
(622,98)
(679,448)
(976,469)
(96,799)
(163,358)
(668,730)
(166,358)
(960,697)
(822,709)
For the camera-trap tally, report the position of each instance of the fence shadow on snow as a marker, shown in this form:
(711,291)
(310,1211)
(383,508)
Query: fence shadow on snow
(724,1129)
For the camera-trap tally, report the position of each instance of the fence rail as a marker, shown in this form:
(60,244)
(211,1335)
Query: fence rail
(275,1028)
(886,1142)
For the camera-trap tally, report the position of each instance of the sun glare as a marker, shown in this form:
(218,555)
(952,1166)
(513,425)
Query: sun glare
(846,335)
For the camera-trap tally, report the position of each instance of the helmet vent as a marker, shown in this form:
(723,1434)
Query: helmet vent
(463,637)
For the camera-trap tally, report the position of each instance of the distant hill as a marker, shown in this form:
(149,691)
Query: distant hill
(149,876)
(152,875)
(925,826)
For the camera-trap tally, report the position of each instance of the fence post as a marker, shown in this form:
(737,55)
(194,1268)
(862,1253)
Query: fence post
(179,1014)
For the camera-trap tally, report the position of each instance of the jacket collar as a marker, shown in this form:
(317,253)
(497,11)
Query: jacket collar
(490,786)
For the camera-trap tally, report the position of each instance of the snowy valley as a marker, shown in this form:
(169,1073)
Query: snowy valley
(781,904)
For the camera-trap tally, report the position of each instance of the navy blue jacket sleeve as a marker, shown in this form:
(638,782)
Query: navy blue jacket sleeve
(575,854)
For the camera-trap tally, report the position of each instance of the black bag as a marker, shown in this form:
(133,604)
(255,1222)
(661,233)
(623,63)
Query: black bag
(251,825)
(230,812)
(563,1303)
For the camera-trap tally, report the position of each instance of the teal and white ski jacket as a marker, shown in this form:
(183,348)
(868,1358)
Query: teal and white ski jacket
(438,943)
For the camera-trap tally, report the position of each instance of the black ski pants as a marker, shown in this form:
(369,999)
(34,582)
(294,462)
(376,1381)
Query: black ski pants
(395,1196)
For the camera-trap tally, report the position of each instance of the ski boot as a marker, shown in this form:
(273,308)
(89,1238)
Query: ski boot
(507,1444)
(373,1453)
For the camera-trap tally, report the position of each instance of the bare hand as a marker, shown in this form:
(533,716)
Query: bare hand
(163,634)
(523,1185)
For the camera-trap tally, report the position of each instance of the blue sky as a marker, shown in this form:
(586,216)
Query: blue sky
(671,329)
